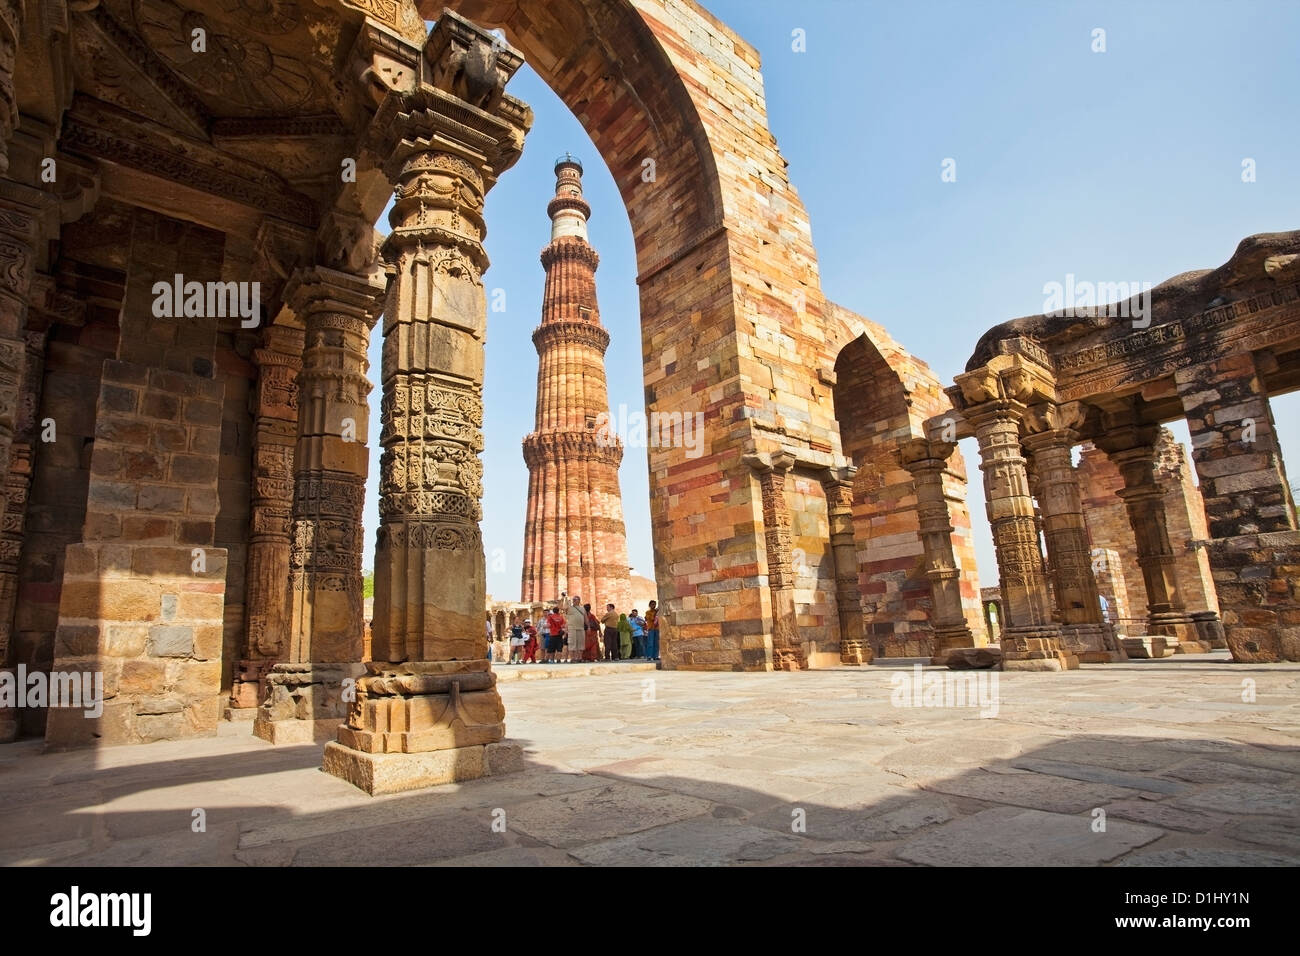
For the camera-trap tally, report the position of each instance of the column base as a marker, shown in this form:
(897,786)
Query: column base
(9,715)
(304,702)
(1209,629)
(419,725)
(392,773)
(950,637)
(1035,649)
(246,689)
(1174,626)
(855,652)
(1093,643)
(788,659)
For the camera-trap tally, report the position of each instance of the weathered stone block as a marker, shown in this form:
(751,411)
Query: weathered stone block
(171,640)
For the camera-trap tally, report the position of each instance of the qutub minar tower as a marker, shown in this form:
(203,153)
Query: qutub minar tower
(574,540)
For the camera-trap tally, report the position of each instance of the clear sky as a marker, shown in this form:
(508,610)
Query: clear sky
(1122,165)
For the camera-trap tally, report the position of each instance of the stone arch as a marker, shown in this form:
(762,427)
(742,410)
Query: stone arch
(883,396)
(606,63)
(732,314)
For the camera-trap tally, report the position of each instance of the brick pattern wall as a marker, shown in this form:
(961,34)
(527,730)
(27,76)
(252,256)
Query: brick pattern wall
(143,593)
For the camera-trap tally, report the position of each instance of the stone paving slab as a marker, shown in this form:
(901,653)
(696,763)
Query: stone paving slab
(814,768)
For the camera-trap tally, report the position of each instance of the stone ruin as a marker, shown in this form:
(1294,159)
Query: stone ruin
(184,476)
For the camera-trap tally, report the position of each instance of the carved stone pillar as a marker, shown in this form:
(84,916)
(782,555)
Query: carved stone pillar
(19,231)
(787,648)
(428,711)
(18,235)
(1132,449)
(838,487)
(305,692)
(18,481)
(927,461)
(1050,442)
(11,22)
(275,424)
(1030,638)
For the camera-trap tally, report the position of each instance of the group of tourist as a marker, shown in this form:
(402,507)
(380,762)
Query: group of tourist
(572,634)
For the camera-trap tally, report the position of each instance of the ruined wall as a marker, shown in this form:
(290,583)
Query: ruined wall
(142,598)
(882,397)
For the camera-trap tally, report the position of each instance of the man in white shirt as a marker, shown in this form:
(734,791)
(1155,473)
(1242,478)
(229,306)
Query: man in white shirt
(575,623)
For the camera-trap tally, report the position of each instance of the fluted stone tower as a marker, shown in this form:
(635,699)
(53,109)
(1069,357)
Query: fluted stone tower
(574,540)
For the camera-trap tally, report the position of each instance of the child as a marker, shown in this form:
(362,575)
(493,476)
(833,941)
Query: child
(530,642)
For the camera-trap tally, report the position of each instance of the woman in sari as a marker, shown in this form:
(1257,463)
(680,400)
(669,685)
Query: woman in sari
(591,649)
(624,638)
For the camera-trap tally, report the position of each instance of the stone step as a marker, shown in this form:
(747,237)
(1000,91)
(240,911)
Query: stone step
(509,672)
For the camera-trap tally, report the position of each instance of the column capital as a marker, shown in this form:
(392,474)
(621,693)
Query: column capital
(1019,377)
(314,289)
(764,462)
(843,475)
(923,454)
(459,106)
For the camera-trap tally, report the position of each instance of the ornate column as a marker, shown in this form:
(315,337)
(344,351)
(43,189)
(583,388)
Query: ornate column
(1132,449)
(787,648)
(305,692)
(993,399)
(927,461)
(19,225)
(1050,440)
(428,711)
(275,424)
(837,484)
(11,23)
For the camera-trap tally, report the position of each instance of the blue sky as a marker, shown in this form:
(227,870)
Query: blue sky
(1122,165)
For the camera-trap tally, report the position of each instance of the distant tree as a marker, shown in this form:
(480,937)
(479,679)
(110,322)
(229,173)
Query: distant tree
(368,584)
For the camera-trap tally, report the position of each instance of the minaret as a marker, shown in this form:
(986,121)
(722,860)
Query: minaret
(574,540)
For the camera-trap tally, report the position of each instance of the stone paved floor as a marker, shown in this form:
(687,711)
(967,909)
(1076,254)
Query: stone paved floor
(697,768)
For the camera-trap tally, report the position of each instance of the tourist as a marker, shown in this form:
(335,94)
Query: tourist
(652,631)
(591,649)
(575,620)
(517,642)
(637,623)
(530,642)
(554,636)
(610,620)
(624,637)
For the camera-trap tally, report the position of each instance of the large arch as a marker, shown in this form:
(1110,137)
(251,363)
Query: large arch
(732,313)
